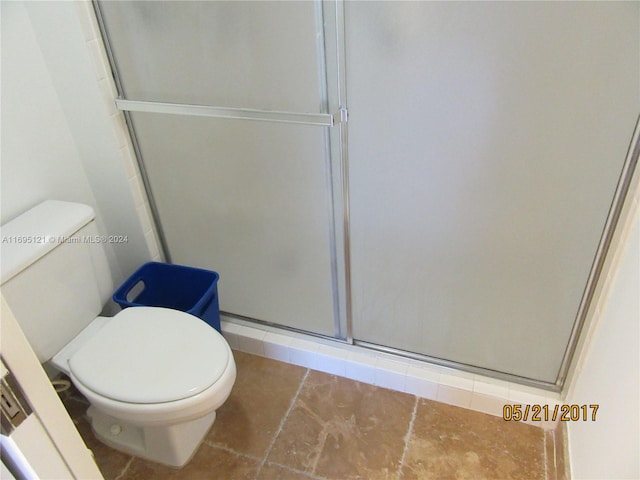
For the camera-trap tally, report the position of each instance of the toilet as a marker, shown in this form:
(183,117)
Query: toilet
(154,377)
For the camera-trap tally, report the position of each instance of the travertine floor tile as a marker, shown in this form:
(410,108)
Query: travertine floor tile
(453,443)
(208,463)
(261,396)
(337,429)
(342,429)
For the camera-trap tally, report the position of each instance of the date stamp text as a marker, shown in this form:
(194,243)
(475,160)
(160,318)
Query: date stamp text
(517,412)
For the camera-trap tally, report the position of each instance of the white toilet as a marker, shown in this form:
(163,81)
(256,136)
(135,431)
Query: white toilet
(154,376)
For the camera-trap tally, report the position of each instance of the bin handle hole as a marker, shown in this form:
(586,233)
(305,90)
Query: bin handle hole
(135,291)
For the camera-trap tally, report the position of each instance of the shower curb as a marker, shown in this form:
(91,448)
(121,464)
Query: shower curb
(462,389)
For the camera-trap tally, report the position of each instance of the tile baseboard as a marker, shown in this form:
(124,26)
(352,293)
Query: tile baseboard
(447,385)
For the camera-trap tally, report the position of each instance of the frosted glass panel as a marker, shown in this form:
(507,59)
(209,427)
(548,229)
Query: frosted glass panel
(250,201)
(486,140)
(230,53)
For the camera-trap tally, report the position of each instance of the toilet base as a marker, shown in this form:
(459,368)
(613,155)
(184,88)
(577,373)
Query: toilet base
(172,445)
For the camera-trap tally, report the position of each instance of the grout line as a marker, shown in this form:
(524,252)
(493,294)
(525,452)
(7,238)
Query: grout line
(211,444)
(407,438)
(555,455)
(126,467)
(282,422)
(293,470)
(545,457)
(562,443)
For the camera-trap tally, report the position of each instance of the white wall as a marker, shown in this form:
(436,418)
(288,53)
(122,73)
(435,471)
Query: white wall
(609,448)
(58,137)
(39,157)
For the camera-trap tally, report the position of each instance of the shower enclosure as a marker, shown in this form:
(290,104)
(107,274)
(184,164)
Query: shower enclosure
(461,221)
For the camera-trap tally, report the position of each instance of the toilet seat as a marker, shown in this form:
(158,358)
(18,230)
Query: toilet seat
(148,355)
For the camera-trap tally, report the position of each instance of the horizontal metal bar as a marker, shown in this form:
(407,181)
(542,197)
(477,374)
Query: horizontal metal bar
(320,119)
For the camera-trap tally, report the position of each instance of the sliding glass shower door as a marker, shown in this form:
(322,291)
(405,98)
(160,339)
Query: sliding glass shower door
(231,104)
(486,142)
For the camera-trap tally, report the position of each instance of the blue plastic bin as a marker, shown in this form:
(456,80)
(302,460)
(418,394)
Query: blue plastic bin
(191,290)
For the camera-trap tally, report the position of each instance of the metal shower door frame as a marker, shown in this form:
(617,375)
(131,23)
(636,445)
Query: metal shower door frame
(329,26)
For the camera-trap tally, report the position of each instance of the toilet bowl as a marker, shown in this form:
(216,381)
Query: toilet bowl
(153,376)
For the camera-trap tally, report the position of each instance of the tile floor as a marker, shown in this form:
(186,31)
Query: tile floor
(286,422)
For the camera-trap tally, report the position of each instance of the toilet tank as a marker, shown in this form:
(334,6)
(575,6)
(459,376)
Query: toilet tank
(55,275)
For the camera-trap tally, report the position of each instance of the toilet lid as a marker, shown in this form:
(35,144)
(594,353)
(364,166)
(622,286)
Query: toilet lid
(151,355)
